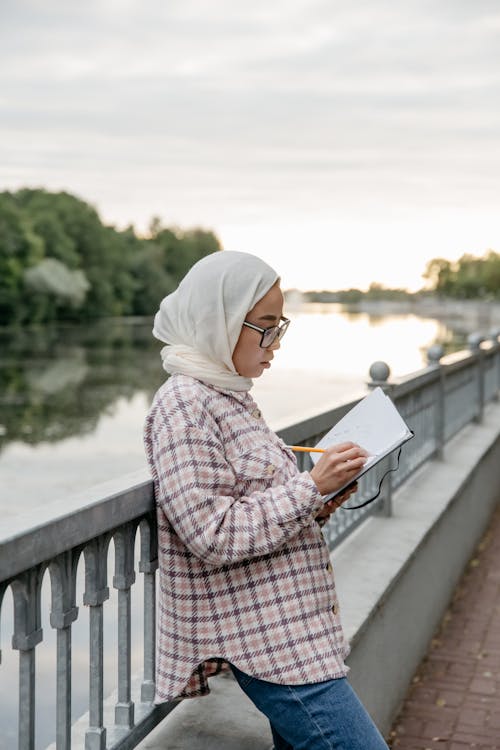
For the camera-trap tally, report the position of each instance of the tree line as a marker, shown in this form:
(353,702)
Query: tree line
(469,278)
(353,296)
(58,261)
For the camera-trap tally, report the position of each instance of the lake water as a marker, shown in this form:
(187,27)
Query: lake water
(73,399)
(72,404)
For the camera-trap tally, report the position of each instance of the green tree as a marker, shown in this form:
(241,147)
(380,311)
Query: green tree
(48,237)
(471,277)
(439,273)
(152,280)
(491,274)
(20,248)
(183,249)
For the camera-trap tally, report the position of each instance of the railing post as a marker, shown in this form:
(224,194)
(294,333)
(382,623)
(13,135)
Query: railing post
(123,579)
(63,613)
(474,342)
(27,635)
(148,565)
(494,334)
(379,373)
(96,593)
(434,354)
(3,588)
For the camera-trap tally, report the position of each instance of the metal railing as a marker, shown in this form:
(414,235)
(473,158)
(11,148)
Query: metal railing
(436,402)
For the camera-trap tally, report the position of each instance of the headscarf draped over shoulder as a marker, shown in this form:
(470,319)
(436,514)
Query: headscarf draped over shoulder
(201,321)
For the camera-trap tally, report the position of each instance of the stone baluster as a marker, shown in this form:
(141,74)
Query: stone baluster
(63,613)
(494,334)
(474,342)
(123,579)
(379,373)
(434,354)
(3,589)
(27,635)
(96,593)
(148,565)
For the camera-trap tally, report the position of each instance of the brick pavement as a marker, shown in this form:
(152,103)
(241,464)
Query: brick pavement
(454,699)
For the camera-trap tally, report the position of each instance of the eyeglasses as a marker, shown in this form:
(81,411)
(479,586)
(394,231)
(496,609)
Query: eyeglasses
(270,335)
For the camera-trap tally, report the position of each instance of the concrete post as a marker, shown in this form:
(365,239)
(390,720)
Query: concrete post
(148,565)
(379,373)
(474,342)
(434,354)
(494,335)
(64,612)
(95,594)
(27,635)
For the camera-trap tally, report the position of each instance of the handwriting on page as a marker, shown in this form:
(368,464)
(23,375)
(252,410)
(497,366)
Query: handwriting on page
(374,423)
(356,428)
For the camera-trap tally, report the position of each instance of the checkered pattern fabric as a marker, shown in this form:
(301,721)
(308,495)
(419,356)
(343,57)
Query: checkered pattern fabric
(245,574)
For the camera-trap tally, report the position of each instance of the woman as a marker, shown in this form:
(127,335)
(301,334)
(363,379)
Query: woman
(245,574)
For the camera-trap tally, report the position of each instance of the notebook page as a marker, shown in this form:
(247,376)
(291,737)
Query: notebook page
(374,423)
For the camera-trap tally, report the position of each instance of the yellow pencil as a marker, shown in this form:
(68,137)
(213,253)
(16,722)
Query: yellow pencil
(305,449)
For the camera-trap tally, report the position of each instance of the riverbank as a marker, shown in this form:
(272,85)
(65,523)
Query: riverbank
(461,315)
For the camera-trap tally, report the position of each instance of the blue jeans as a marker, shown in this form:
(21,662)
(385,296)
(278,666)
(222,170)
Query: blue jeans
(317,716)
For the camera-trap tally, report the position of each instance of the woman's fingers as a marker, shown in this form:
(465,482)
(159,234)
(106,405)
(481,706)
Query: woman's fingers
(332,505)
(345,494)
(337,466)
(346,452)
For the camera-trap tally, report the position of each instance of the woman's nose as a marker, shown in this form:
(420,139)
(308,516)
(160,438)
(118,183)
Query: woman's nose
(275,345)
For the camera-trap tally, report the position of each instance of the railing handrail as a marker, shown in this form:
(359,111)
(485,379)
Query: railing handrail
(68,523)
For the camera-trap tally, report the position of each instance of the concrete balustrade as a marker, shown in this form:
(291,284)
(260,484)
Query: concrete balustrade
(436,402)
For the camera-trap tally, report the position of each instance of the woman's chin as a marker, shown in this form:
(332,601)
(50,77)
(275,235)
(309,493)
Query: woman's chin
(257,371)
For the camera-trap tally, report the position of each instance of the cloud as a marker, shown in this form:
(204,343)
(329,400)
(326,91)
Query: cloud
(250,111)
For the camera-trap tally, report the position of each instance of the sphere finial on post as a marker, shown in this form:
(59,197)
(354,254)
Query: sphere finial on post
(434,354)
(494,334)
(379,373)
(474,341)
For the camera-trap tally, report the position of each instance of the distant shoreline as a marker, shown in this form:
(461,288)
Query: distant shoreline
(474,315)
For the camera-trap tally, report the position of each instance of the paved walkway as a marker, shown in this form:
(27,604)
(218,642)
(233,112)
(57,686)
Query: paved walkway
(454,700)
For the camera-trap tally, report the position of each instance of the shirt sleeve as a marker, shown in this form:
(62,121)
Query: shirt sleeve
(197,491)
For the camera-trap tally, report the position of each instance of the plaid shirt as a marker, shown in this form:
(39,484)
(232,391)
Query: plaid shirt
(245,573)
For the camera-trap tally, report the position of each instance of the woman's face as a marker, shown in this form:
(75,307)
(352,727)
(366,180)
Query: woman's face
(249,358)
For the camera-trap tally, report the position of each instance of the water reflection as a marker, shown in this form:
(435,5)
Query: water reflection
(347,342)
(73,398)
(57,382)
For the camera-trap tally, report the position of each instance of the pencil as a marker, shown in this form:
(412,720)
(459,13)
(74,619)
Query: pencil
(305,449)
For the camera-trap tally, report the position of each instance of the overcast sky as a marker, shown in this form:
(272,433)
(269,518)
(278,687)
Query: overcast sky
(342,141)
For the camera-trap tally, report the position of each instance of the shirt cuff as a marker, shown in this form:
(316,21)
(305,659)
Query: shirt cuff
(307,490)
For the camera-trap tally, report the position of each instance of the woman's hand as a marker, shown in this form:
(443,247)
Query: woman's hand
(338,465)
(332,505)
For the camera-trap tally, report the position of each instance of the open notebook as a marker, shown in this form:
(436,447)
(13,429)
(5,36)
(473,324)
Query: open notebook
(375,424)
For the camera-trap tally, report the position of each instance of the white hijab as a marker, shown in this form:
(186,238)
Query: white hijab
(201,321)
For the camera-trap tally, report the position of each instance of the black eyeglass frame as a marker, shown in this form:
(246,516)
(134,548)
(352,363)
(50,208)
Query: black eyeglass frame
(280,331)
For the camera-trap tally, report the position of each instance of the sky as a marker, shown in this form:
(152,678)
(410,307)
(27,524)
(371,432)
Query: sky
(343,142)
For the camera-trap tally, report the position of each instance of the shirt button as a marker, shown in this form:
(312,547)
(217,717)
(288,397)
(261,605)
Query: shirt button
(257,413)
(270,469)
(334,609)
(329,568)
